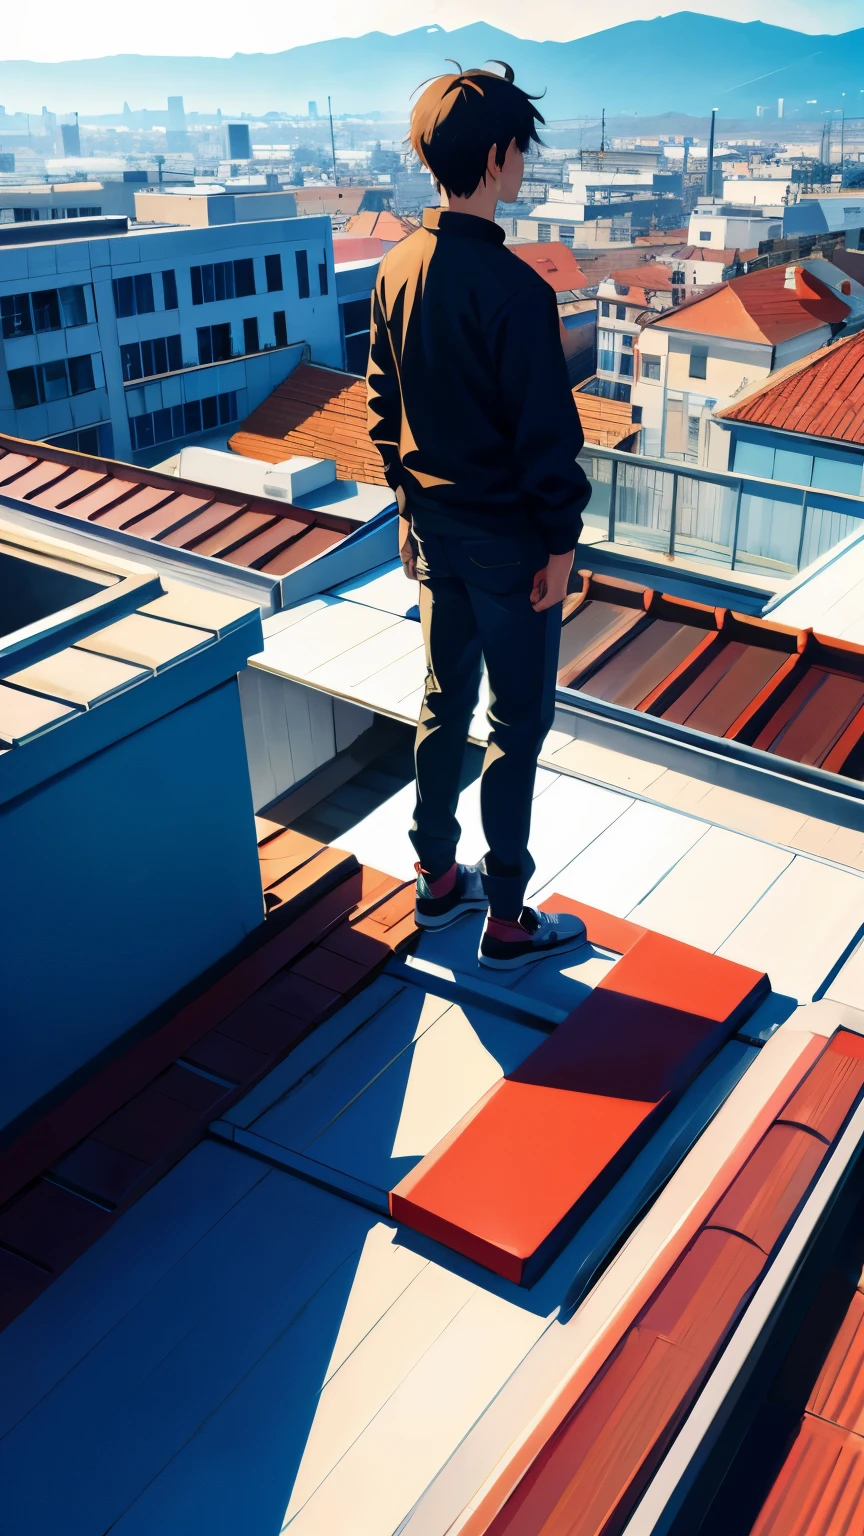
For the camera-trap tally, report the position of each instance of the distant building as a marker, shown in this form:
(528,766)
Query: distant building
(176,137)
(69,139)
(705,352)
(722,226)
(624,300)
(132,338)
(66,200)
(238,141)
(817,214)
(312,110)
(703,266)
(558,267)
(199,207)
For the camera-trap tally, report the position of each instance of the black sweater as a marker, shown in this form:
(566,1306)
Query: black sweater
(468,397)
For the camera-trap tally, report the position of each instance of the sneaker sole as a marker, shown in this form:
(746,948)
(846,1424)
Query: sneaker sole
(541,954)
(446,918)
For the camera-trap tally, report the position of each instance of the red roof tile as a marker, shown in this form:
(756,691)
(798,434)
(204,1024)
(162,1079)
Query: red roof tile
(318,412)
(820,1490)
(555,263)
(357,248)
(648,274)
(759,307)
(821,395)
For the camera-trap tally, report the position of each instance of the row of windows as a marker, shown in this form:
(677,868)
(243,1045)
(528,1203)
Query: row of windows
(51,381)
(606,310)
(236,279)
(50,309)
(142,359)
(33,215)
(134,295)
(183,420)
(798,468)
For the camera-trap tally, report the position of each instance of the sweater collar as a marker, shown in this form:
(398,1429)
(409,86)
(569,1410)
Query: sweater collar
(466,226)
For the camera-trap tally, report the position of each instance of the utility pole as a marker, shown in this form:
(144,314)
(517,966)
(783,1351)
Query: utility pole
(842,142)
(603,131)
(332,140)
(709,168)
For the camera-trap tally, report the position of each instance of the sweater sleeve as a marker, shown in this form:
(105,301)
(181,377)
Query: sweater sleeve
(384,395)
(541,415)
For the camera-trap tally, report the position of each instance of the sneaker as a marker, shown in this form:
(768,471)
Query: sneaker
(467,895)
(545,932)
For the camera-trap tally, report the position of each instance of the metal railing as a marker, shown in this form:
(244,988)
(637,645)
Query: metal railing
(738,521)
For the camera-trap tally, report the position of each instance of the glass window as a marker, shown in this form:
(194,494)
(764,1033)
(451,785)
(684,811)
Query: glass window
(699,362)
(124,297)
(794,467)
(73,306)
(195,275)
(209,413)
(621,392)
(144,304)
(280,328)
(142,431)
(566,234)
(205,344)
(837,475)
(244,278)
(25,390)
(46,310)
(250,335)
(650,367)
(163,429)
(678,278)
(704,234)
(130,362)
(753,459)
(15,315)
(192,416)
(169,290)
(627,343)
(544,231)
(322,278)
(620,311)
(273,269)
(55,380)
(604,309)
(175,353)
(81,374)
(301,261)
(228,407)
(625,365)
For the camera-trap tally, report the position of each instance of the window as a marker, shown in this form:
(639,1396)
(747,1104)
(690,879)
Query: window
(223,280)
(97,440)
(544,231)
(169,290)
(143,359)
(133,295)
(322,278)
(678,277)
(620,311)
(566,234)
(84,213)
(621,392)
(604,310)
(699,362)
(51,381)
(650,368)
(625,365)
(250,335)
(49,309)
(302,263)
(704,234)
(356,316)
(15,315)
(214,343)
(273,269)
(606,350)
(627,343)
(280,328)
(183,420)
(636,415)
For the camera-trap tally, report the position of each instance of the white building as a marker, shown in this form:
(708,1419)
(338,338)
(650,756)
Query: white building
(730,228)
(621,310)
(121,342)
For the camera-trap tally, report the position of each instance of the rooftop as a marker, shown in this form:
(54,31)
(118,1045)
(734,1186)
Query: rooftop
(761,307)
(554,262)
(382,225)
(609,423)
(317,412)
(821,395)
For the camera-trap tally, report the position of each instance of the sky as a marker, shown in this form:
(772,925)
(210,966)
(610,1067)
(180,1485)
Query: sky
(53,29)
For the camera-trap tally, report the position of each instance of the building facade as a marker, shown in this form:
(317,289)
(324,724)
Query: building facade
(151,336)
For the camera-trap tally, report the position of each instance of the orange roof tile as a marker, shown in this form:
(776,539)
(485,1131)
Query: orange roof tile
(821,394)
(555,263)
(710,253)
(317,412)
(649,274)
(357,247)
(661,237)
(759,307)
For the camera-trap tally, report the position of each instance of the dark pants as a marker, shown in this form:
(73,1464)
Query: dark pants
(474,607)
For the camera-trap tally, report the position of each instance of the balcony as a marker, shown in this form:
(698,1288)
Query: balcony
(741,522)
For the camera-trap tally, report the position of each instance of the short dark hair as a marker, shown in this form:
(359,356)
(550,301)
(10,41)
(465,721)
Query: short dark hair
(460,117)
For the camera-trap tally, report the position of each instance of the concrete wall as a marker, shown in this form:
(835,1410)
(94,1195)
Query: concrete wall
(291,731)
(134,872)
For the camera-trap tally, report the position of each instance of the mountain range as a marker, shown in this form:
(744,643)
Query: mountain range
(686,62)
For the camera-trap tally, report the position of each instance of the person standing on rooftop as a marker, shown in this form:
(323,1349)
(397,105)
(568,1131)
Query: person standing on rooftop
(470,406)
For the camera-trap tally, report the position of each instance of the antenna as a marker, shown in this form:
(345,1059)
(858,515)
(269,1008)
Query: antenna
(709,168)
(332,141)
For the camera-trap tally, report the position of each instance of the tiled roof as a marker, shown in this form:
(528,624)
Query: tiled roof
(793,694)
(648,274)
(248,531)
(604,422)
(821,395)
(318,412)
(711,254)
(759,307)
(555,263)
(331,925)
(661,237)
(382,225)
